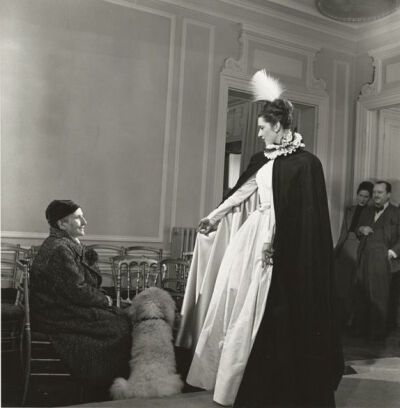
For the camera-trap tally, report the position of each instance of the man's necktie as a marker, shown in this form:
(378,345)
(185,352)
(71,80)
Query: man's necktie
(378,208)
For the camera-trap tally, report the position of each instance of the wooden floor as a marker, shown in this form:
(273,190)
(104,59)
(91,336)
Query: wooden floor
(375,385)
(372,381)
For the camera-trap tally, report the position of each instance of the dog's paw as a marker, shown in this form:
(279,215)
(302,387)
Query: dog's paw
(120,389)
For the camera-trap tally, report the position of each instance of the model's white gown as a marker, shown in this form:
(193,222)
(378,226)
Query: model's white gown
(239,295)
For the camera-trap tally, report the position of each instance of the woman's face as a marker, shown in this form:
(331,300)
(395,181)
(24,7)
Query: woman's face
(267,133)
(363,197)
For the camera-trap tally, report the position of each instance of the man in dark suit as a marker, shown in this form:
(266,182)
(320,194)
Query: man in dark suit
(378,253)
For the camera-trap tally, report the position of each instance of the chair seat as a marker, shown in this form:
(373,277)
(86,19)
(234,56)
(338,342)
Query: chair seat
(8,295)
(10,312)
(39,336)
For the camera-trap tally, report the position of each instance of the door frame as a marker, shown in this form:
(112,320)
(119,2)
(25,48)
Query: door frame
(232,77)
(366,141)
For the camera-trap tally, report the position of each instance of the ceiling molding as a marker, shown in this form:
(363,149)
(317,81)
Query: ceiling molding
(283,36)
(227,15)
(303,17)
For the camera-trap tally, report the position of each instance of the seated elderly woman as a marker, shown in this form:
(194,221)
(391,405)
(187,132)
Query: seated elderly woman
(92,337)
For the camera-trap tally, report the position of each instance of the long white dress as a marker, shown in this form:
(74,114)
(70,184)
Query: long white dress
(239,295)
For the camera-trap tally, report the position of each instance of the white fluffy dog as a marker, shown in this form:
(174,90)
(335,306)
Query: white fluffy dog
(153,367)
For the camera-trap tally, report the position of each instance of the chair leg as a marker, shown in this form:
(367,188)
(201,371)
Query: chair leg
(27,368)
(81,394)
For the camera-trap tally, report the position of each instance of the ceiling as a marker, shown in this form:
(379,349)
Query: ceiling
(342,11)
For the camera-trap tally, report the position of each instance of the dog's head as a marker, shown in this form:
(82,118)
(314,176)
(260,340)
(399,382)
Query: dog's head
(153,303)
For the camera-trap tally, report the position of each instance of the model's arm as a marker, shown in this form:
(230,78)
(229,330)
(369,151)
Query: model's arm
(235,199)
(208,223)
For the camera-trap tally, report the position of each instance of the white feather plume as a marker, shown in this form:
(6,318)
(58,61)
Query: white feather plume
(265,87)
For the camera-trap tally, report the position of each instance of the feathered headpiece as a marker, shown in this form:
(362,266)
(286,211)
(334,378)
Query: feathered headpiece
(265,87)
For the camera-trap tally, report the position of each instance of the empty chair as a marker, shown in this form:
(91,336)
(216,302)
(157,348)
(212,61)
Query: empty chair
(188,256)
(9,272)
(134,274)
(15,323)
(174,278)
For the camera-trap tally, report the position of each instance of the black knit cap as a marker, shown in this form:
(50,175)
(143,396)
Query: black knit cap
(58,209)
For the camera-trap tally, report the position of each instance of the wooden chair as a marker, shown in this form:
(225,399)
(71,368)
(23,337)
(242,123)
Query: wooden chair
(15,322)
(140,273)
(11,253)
(32,252)
(174,278)
(144,252)
(39,359)
(106,266)
(187,256)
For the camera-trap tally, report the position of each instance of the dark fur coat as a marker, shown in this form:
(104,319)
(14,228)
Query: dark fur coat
(92,338)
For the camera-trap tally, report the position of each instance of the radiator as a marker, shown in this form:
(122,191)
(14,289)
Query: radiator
(182,240)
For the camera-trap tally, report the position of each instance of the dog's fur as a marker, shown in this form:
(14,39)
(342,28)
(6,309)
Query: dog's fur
(153,367)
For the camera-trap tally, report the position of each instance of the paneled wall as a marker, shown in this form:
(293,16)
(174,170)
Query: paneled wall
(117,104)
(377,141)
(110,104)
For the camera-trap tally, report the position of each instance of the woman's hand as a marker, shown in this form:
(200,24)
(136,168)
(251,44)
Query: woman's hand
(206,226)
(366,231)
(267,254)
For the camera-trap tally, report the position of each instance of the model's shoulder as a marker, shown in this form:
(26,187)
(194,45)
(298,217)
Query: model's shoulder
(302,159)
(307,156)
(257,156)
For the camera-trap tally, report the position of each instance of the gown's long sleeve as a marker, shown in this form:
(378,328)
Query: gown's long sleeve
(235,199)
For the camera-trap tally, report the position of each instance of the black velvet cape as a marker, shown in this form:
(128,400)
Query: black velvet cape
(296,359)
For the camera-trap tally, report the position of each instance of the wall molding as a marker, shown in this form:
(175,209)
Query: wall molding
(325,26)
(366,130)
(379,55)
(179,123)
(382,148)
(343,141)
(206,135)
(304,19)
(89,237)
(168,117)
(210,86)
(160,237)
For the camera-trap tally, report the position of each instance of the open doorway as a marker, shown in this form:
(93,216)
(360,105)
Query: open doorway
(241,140)
(388,148)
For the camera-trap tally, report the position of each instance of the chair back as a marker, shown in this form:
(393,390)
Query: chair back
(187,256)
(144,252)
(16,327)
(20,304)
(134,274)
(105,264)
(9,272)
(174,278)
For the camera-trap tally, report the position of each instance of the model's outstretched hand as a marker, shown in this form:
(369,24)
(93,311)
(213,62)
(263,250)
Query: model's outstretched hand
(206,226)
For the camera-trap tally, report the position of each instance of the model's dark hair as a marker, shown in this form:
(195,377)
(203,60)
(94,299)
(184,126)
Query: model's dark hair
(367,186)
(279,110)
(387,184)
